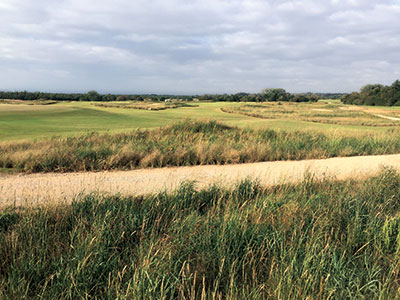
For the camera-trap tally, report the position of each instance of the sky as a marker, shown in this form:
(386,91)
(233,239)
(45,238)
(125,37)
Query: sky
(198,46)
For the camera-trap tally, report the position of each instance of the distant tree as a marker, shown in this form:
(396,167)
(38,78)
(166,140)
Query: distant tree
(275,94)
(395,87)
(371,94)
(375,94)
(109,97)
(94,96)
(122,98)
(353,98)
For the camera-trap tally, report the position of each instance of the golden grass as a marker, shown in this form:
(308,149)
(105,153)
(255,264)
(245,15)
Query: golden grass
(325,113)
(28,102)
(189,143)
(145,105)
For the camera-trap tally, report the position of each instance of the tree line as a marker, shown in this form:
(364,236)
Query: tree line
(89,96)
(270,94)
(375,94)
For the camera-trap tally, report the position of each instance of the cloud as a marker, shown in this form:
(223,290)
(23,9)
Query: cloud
(200,46)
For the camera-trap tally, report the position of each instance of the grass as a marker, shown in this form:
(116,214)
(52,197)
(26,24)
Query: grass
(30,122)
(28,102)
(323,112)
(8,171)
(145,105)
(312,240)
(187,143)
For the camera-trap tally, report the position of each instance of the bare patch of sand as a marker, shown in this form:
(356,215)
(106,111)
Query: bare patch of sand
(321,109)
(355,108)
(387,117)
(34,189)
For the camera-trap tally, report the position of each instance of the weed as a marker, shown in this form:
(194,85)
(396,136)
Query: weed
(311,240)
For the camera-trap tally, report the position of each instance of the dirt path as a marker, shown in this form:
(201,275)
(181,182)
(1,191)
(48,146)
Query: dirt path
(50,187)
(387,117)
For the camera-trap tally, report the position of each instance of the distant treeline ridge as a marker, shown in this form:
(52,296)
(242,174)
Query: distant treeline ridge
(273,94)
(375,94)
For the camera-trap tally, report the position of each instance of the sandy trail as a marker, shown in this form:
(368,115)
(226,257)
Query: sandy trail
(45,188)
(387,117)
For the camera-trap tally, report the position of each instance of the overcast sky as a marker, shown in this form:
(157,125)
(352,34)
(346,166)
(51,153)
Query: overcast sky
(203,46)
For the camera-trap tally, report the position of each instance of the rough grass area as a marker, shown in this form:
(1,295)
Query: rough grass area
(185,144)
(153,106)
(28,102)
(313,240)
(326,113)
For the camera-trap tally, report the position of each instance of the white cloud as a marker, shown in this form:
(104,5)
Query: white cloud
(340,41)
(198,46)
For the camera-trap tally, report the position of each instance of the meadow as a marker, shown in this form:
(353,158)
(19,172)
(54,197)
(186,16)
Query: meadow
(31,122)
(317,239)
(145,105)
(187,143)
(312,240)
(323,112)
(66,137)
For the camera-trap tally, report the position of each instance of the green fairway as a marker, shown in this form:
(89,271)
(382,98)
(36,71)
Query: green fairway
(26,122)
(19,121)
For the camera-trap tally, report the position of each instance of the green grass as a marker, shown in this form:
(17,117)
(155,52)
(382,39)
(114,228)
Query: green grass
(187,143)
(313,240)
(8,171)
(19,121)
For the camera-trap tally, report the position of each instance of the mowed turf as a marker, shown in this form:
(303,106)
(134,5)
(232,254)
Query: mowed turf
(19,121)
(28,122)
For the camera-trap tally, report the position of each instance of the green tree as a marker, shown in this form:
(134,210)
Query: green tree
(94,96)
(275,94)
(109,97)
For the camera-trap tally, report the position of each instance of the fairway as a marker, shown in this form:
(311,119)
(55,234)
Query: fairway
(30,122)
(20,121)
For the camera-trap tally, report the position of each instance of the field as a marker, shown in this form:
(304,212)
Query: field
(316,238)
(145,105)
(187,143)
(324,113)
(109,136)
(21,122)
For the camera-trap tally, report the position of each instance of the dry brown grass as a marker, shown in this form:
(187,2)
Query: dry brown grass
(315,112)
(186,144)
(145,105)
(28,102)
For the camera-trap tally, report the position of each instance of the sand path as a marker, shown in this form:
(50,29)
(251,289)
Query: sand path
(387,117)
(59,187)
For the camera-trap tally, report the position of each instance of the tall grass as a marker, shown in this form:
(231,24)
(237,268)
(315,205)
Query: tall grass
(317,113)
(313,240)
(147,105)
(187,143)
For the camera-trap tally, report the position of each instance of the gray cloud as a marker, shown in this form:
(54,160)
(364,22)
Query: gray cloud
(202,46)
